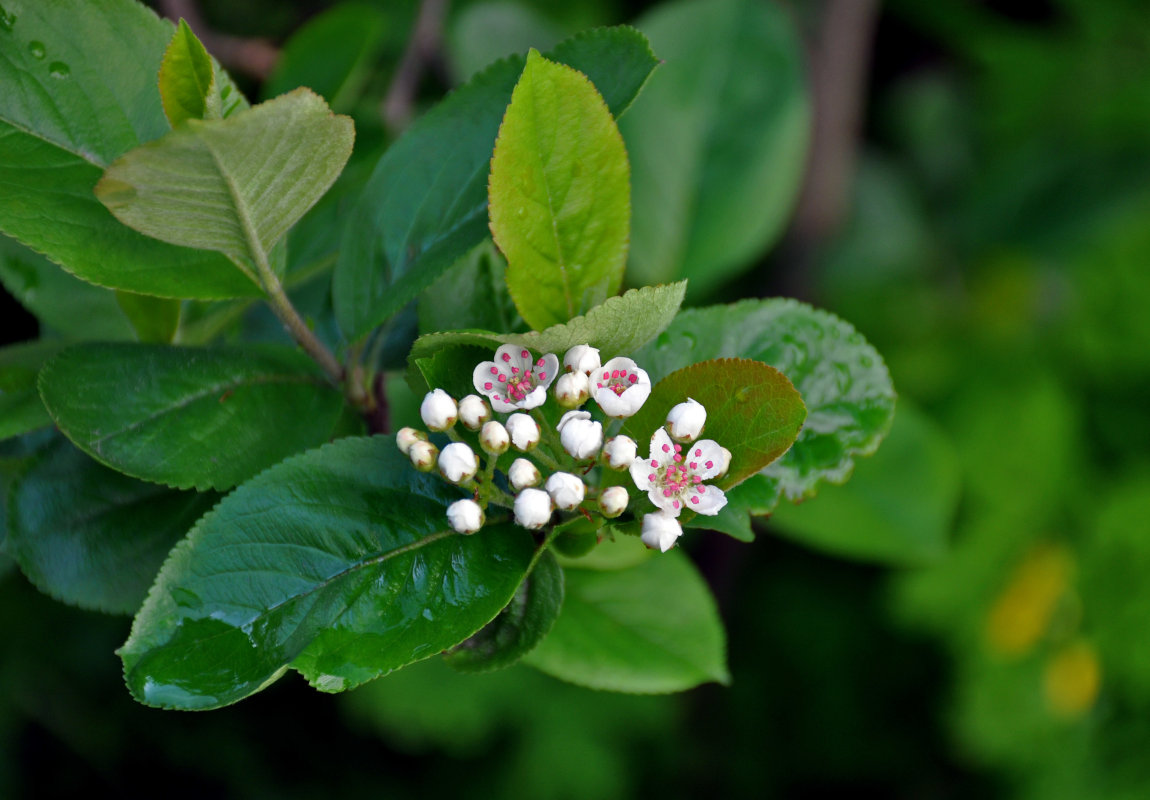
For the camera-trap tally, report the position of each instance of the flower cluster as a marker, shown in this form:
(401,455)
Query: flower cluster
(516,383)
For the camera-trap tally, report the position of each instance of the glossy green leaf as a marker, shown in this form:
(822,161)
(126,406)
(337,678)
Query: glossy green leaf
(16,454)
(184,416)
(188,87)
(21,409)
(519,627)
(620,552)
(470,295)
(717,141)
(650,629)
(338,561)
(91,537)
(559,195)
(898,506)
(841,378)
(332,54)
(80,91)
(756,496)
(155,319)
(235,185)
(425,205)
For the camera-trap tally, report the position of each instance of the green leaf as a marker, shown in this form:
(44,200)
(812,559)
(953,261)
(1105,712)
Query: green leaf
(841,378)
(235,185)
(425,205)
(338,561)
(752,410)
(488,31)
(80,92)
(756,496)
(21,409)
(185,416)
(559,195)
(92,537)
(519,627)
(15,455)
(332,54)
(717,140)
(472,294)
(187,79)
(896,509)
(650,629)
(156,319)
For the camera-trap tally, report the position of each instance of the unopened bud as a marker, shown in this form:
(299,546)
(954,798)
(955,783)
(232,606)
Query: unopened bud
(494,438)
(579,435)
(619,452)
(523,474)
(581,358)
(423,454)
(660,531)
(524,431)
(566,490)
(686,421)
(458,463)
(532,508)
(572,389)
(474,411)
(465,516)
(613,501)
(438,410)
(406,437)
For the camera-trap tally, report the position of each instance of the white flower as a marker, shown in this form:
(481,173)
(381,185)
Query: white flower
(457,463)
(513,381)
(582,358)
(566,490)
(438,410)
(572,389)
(725,463)
(613,501)
(406,437)
(465,516)
(473,411)
(579,435)
(621,387)
(661,530)
(674,481)
(494,438)
(523,474)
(422,454)
(620,451)
(524,431)
(685,421)
(532,508)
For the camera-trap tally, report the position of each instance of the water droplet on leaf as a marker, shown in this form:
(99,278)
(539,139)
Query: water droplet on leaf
(7,20)
(37,50)
(59,70)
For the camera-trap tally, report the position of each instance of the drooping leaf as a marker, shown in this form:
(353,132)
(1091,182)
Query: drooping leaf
(91,537)
(235,185)
(155,319)
(21,409)
(188,87)
(650,629)
(338,561)
(897,507)
(717,140)
(841,378)
(80,91)
(189,417)
(559,195)
(425,205)
(519,627)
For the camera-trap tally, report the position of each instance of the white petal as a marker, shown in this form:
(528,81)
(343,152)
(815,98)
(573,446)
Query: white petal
(500,405)
(710,501)
(702,453)
(510,355)
(666,503)
(641,471)
(482,376)
(549,371)
(613,405)
(537,397)
(662,448)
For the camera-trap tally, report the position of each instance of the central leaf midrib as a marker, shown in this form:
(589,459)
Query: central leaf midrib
(561,260)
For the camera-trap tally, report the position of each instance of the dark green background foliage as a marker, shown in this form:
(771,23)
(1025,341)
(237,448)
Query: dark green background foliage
(966,617)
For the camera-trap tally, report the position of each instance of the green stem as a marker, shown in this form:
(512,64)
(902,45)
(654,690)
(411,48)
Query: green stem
(548,461)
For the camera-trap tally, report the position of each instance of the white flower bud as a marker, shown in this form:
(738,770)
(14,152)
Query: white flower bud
(423,454)
(613,501)
(572,389)
(465,516)
(523,474)
(566,490)
(406,437)
(581,358)
(685,421)
(532,508)
(457,463)
(438,410)
(725,464)
(494,438)
(524,431)
(660,531)
(579,435)
(620,451)
(474,411)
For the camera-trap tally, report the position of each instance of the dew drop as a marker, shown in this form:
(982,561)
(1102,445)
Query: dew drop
(59,70)
(7,20)
(521,212)
(37,50)
(663,341)
(688,339)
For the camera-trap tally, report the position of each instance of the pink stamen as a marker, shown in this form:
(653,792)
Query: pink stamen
(694,465)
(495,370)
(634,379)
(525,354)
(606,376)
(695,500)
(652,476)
(678,448)
(506,356)
(540,363)
(542,376)
(698,452)
(702,489)
(666,448)
(710,465)
(666,493)
(487,386)
(502,378)
(698,479)
(654,463)
(615,374)
(678,458)
(515,370)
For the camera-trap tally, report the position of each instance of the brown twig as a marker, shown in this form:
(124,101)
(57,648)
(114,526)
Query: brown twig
(423,48)
(252,56)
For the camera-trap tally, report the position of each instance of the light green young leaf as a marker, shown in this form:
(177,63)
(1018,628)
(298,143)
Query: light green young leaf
(519,627)
(338,562)
(188,80)
(717,141)
(650,629)
(80,91)
(425,205)
(235,185)
(155,319)
(559,195)
(91,537)
(194,417)
(21,409)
